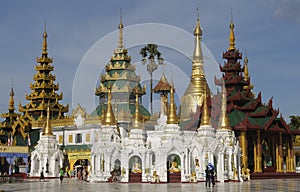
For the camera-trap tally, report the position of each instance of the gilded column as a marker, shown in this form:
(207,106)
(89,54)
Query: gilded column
(259,159)
(292,160)
(288,159)
(255,156)
(279,158)
(281,153)
(244,151)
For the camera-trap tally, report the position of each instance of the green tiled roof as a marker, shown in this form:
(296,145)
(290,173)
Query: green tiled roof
(131,108)
(250,102)
(235,117)
(259,109)
(78,147)
(261,121)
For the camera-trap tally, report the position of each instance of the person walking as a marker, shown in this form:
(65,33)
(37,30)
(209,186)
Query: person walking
(42,177)
(212,177)
(207,176)
(61,174)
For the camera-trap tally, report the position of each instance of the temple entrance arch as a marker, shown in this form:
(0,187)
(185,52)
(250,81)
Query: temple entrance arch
(135,169)
(80,166)
(174,168)
(116,172)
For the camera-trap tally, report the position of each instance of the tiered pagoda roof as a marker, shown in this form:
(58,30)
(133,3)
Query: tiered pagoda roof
(44,90)
(245,111)
(163,86)
(121,78)
(15,126)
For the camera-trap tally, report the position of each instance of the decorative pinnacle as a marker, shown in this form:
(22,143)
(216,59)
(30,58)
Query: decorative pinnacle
(48,128)
(120,27)
(136,115)
(11,99)
(231,37)
(198,31)
(198,55)
(224,121)
(172,116)
(246,71)
(205,119)
(109,117)
(45,45)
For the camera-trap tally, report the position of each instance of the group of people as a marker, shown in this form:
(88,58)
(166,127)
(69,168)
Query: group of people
(210,176)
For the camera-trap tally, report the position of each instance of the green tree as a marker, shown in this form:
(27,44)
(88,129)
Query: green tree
(151,54)
(295,122)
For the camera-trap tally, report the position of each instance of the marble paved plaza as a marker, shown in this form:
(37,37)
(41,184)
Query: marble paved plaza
(75,185)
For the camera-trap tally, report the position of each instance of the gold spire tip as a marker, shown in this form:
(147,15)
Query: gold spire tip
(231,36)
(120,27)
(45,46)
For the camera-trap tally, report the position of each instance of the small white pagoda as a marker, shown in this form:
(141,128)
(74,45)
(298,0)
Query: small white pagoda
(47,156)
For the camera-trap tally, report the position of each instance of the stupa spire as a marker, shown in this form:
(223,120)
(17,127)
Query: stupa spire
(48,128)
(172,116)
(224,121)
(11,99)
(45,44)
(246,71)
(231,37)
(136,123)
(109,117)
(120,27)
(205,119)
(198,55)
(193,95)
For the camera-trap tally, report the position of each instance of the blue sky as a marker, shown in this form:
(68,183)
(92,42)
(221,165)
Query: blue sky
(267,29)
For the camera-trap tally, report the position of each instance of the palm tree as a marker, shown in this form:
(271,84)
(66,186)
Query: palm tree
(151,53)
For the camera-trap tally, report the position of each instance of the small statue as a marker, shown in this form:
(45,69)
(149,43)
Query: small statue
(155,177)
(174,168)
(193,177)
(136,167)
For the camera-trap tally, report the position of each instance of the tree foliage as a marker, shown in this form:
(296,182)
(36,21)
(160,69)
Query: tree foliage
(295,122)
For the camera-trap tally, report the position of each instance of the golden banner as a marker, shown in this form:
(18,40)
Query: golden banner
(14,149)
(82,155)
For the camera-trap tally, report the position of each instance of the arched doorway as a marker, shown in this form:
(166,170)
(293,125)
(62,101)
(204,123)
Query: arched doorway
(116,172)
(174,169)
(135,169)
(81,167)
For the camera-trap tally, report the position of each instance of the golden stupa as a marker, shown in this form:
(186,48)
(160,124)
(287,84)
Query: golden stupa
(193,96)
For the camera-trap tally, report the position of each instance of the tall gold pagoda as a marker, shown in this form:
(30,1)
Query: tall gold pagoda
(44,90)
(121,78)
(193,96)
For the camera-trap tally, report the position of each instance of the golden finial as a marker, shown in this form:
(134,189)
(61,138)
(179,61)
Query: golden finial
(205,119)
(11,99)
(246,71)
(136,123)
(198,55)
(223,120)
(172,116)
(120,27)
(198,31)
(231,36)
(48,128)
(109,117)
(45,45)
